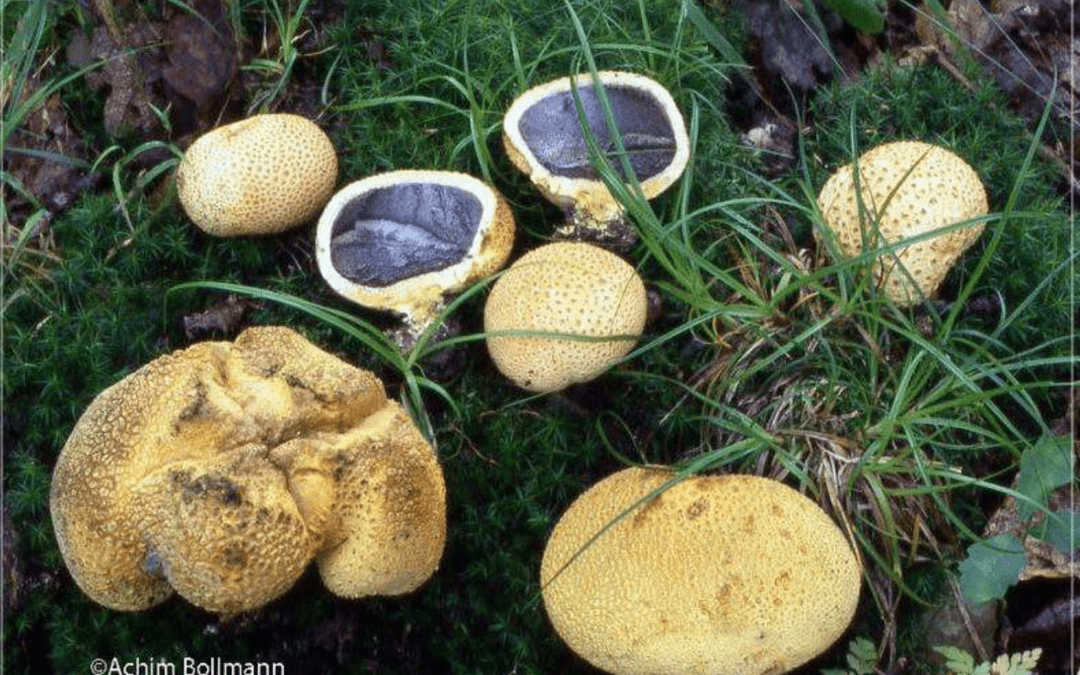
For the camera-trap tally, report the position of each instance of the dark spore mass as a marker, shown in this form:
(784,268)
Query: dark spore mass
(552,130)
(398,232)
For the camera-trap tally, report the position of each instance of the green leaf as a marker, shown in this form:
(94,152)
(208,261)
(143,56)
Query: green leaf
(1062,530)
(991,568)
(864,15)
(956,660)
(862,656)
(1044,467)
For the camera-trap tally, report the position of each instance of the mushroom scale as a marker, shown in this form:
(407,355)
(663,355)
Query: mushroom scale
(573,288)
(731,575)
(205,472)
(908,189)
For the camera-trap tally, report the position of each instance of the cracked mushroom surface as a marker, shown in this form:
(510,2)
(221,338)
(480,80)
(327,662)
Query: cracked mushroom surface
(222,470)
(260,175)
(730,575)
(908,189)
(589,294)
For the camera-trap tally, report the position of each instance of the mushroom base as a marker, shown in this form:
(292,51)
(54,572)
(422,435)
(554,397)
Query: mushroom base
(613,233)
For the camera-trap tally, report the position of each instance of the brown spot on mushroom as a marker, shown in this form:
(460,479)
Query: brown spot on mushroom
(567,288)
(676,595)
(261,175)
(908,188)
(220,471)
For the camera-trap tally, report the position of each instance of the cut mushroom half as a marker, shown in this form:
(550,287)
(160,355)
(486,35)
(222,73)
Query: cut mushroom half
(543,135)
(403,240)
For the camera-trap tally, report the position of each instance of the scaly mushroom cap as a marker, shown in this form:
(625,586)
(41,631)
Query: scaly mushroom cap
(566,287)
(402,240)
(729,575)
(185,474)
(543,138)
(261,175)
(386,531)
(908,188)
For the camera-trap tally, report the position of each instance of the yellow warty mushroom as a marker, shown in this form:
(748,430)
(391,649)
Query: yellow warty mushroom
(569,288)
(220,471)
(908,189)
(261,175)
(726,575)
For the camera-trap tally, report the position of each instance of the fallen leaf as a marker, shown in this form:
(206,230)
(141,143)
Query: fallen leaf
(221,318)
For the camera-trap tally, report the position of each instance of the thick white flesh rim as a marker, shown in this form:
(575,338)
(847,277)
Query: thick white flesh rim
(566,186)
(417,296)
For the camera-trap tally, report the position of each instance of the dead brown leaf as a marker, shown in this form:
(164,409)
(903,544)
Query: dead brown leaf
(43,156)
(222,318)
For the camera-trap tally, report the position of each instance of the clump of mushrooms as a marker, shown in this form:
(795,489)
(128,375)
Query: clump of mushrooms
(261,175)
(730,575)
(220,471)
(543,135)
(593,299)
(907,189)
(403,240)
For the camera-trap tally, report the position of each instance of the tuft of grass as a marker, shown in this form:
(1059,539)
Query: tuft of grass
(883,414)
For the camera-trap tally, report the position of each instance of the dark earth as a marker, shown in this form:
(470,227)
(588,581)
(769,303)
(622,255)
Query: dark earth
(193,67)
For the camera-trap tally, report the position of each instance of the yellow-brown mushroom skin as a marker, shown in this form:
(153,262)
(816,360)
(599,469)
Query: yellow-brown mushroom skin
(221,470)
(573,288)
(727,575)
(909,188)
(261,175)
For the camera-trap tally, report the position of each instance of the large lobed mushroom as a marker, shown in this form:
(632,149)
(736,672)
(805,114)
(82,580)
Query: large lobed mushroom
(221,470)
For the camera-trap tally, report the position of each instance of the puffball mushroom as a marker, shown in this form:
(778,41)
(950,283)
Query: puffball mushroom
(261,175)
(571,288)
(221,470)
(908,188)
(401,241)
(727,575)
(543,137)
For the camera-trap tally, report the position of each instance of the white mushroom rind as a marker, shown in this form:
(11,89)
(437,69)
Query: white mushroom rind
(589,201)
(420,297)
